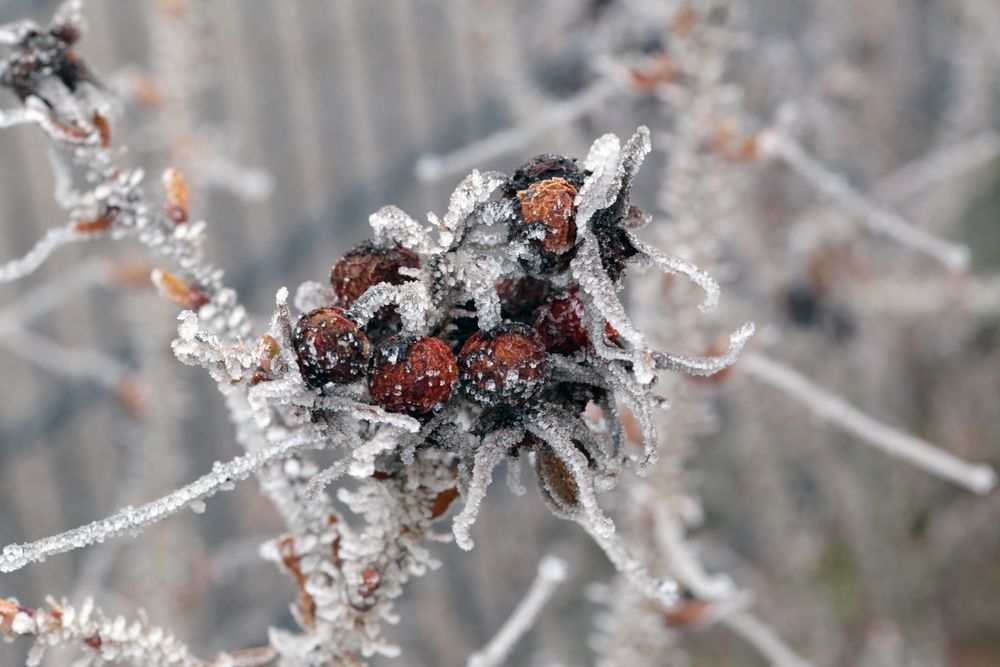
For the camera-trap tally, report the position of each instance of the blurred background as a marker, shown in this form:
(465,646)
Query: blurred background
(296,120)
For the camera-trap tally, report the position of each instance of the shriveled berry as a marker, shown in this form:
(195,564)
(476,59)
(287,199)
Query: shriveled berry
(411,374)
(550,202)
(505,366)
(367,265)
(330,347)
(561,324)
(519,298)
(543,167)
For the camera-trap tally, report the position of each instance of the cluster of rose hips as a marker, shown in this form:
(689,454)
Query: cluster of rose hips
(505,366)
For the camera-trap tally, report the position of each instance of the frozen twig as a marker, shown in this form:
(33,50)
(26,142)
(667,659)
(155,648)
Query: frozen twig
(688,569)
(939,167)
(133,520)
(662,591)
(551,573)
(763,638)
(834,409)
(53,239)
(882,220)
(434,167)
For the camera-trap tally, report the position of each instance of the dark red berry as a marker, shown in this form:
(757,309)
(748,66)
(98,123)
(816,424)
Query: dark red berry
(519,298)
(367,265)
(413,375)
(330,347)
(505,366)
(550,202)
(544,167)
(561,324)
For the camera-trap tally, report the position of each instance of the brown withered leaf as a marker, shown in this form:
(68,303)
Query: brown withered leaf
(179,291)
(178,194)
(104,128)
(98,224)
(443,502)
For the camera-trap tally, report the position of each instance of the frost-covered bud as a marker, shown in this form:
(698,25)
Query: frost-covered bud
(413,375)
(330,347)
(505,366)
(367,265)
(543,191)
(561,323)
(550,202)
(519,298)
(43,54)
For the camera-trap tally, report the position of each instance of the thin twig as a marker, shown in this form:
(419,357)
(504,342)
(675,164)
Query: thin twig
(551,573)
(133,520)
(835,410)
(431,167)
(879,219)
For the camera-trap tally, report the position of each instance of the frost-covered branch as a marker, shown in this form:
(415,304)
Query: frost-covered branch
(132,520)
(434,167)
(837,411)
(835,187)
(939,167)
(551,573)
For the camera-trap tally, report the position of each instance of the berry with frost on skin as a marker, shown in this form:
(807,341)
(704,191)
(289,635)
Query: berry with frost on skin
(506,366)
(368,265)
(519,298)
(330,347)
(561,324)
(412,375)
(550,202)
(543,192)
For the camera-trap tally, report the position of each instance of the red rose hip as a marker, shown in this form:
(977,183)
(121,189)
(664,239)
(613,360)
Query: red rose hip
(330,347)
(551,203)
(412,375)
(561,324)
(506,366)
(519,298)
(368,265)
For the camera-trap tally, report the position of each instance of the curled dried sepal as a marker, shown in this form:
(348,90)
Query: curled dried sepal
(491,451)
(179,291)
(177,195)
(706,366)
